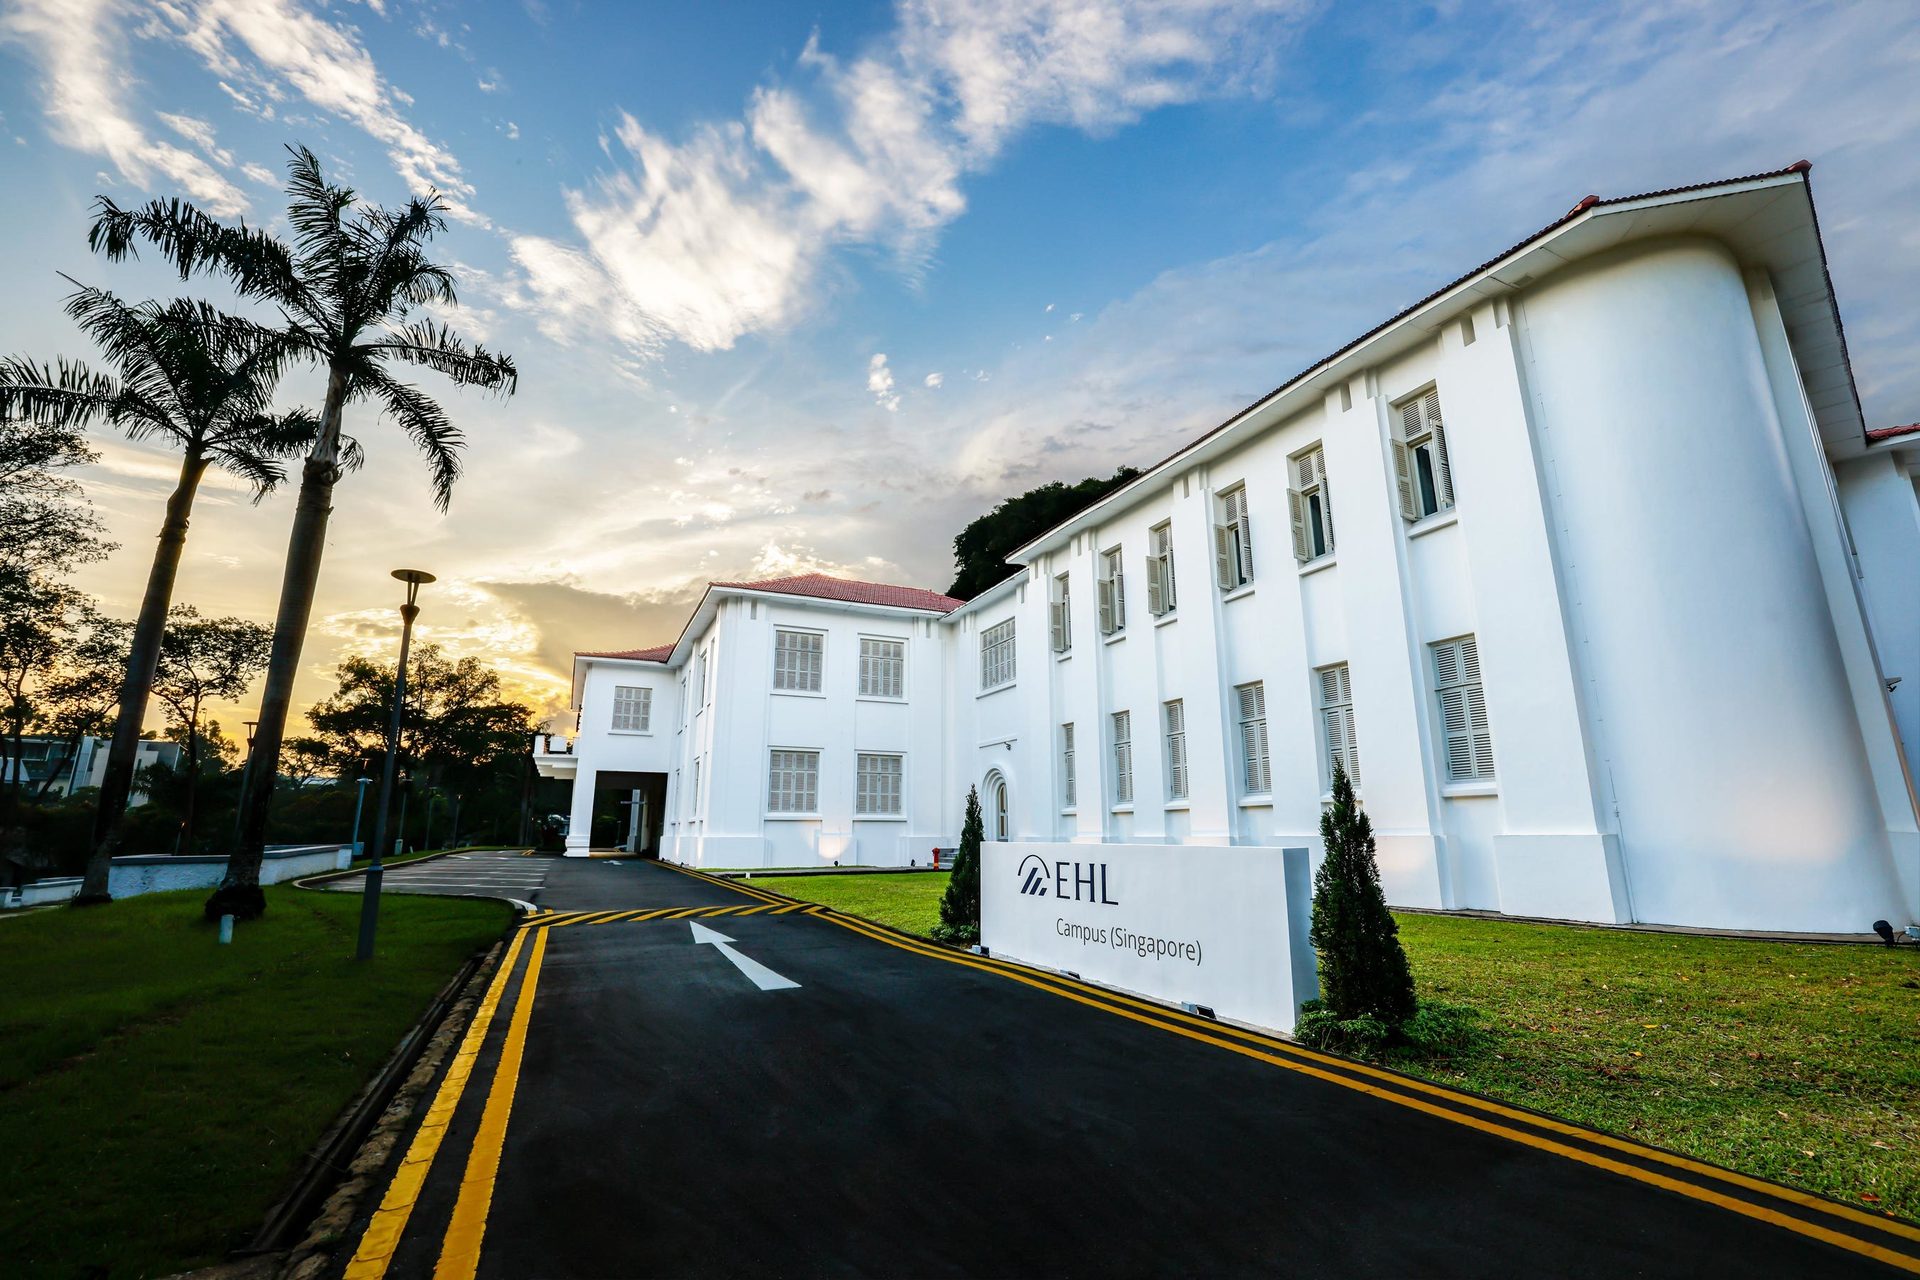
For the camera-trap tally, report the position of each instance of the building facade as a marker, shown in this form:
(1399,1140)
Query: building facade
(1585,568)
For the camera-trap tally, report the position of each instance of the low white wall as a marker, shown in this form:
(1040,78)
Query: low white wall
(1224,927)
(158,873)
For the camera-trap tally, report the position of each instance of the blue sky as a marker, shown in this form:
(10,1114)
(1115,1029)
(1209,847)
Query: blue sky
(806,287)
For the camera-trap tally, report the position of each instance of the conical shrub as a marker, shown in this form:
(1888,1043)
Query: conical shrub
(1363,969)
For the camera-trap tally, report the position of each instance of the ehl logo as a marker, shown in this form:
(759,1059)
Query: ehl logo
(1038,878)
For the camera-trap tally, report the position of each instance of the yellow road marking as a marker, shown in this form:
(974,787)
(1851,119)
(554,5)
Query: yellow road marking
(375,1251)
(1852,1244)
(460,1248)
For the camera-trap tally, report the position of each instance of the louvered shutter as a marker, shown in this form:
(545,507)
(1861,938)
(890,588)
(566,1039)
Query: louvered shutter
(1403,479)
(1297,511)
(1245,524)
(1122,757)
(1156,589)
(1058,612)
(1177,749)
(1255,769)
(1103,592)
(1067,764)
(1442,468)
(1223,557)
(1119,596)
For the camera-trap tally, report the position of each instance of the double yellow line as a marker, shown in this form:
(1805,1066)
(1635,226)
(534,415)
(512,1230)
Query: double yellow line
(1446,1104)
(460,1247)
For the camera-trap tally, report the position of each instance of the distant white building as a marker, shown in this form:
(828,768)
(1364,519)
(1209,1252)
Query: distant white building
(82,763)
(1586,567)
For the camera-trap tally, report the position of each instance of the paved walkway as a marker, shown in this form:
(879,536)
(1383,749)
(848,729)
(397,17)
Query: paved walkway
(675,1077)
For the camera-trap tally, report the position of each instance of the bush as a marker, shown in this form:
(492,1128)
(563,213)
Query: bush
(1363,968)
(960,905)
(1434,1031)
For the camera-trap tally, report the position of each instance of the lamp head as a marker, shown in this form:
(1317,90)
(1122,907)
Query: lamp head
(1885,931)
(415,576)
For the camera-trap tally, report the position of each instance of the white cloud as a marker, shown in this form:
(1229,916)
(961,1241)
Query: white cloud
(81,58)
(727,232)
(880,382)
(292,50)
(935,379)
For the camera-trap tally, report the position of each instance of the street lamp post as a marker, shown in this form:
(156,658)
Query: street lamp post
(359,802)
(370,897)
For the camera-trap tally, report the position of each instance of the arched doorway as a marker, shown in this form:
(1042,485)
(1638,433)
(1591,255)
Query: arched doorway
(997,807)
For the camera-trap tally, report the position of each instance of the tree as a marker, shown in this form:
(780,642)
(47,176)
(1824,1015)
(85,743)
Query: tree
(980,551)
(347,290)
(458,732)
(41,620)
(304,759)
(960,904)
(202,658)
(46,524)
(195,379)
(1363,969)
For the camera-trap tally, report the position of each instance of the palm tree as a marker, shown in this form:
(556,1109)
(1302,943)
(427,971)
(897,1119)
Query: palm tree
(347,290)
(202,382)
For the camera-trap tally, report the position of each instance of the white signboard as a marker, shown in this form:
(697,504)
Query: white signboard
(1223,927)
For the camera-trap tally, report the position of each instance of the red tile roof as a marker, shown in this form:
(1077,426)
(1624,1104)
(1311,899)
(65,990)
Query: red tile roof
(659,653)
(821,587)
(1877,434)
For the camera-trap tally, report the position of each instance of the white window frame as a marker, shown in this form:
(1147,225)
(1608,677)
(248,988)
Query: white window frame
(1111,588)
(706,673)
(883,675)
(799,660)
(879,786)
(997,656)
(632,709)
(1121,727)
(1422,471)
(1173,721)
(793,780)
(1162,598)
(1232,539)
(1060,613)
(1069,784)
(1466,737)
(1256,757)
(1310,505)
(1333,688)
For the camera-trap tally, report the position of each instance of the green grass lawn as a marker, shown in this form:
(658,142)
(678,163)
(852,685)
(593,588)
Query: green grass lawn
(1794,1062)
(909,901)
(157,1091)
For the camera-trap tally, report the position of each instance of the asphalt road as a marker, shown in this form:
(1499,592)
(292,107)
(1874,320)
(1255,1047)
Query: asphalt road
(653,1108)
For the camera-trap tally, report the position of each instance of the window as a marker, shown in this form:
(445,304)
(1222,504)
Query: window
(797,660)
(883,668)
(1122,757)
(693,808)
(1307,503)
(1463,710)
(1113,593)
(1232,539)
(1175,714)
(793,782)
(996,655)
(706,686)
(1336,719)
(1059,615)
(1161,599)
(877,784)
(1069,788)
(686,704)
(1420,456)
(632,709)
(1256,777)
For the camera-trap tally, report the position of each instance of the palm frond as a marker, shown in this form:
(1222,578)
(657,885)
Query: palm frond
(425,423)
(65,393)
(256,263)
(435,346)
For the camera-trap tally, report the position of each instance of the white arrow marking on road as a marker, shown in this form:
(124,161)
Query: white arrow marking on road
(761,976)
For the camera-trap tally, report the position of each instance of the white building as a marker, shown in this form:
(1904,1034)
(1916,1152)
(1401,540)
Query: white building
(82,763)
(1585,566)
